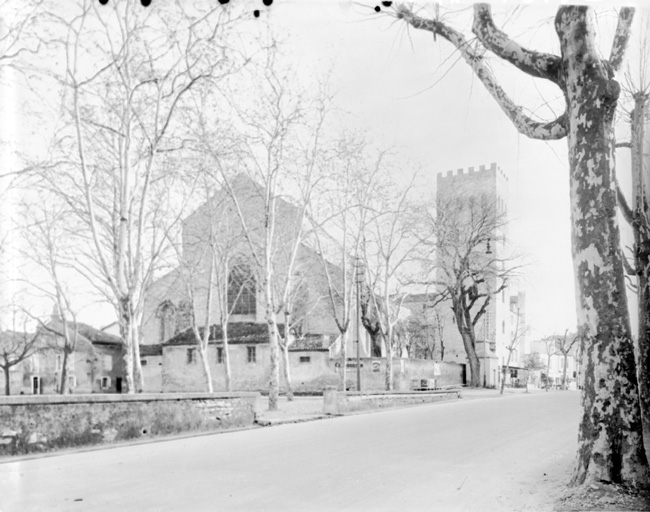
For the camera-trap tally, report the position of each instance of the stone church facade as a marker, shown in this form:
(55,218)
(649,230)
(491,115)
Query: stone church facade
(182,292)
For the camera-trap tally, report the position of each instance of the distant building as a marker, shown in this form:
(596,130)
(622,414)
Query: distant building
(550,354)
(94,365)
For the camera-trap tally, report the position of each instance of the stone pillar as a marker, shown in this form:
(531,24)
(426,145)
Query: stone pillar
(329,400)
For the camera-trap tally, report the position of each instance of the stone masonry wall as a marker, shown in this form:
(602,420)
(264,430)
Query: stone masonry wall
(44,423)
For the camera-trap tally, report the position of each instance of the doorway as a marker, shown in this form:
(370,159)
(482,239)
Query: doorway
(37,388)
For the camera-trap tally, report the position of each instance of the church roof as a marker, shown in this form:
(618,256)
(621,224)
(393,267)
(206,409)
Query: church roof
(238,333)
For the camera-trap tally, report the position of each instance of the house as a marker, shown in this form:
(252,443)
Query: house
(94,363)
(249,353)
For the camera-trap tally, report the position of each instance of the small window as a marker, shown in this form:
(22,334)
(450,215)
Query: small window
(143,362)
(251,354)
(191,355)
(219,355)
(106,382)
(72,381)
(59,362)
(305,359)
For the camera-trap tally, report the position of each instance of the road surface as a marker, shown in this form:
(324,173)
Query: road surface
(495,454)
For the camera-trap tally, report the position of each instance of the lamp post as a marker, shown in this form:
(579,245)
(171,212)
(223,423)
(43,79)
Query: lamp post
(359,277)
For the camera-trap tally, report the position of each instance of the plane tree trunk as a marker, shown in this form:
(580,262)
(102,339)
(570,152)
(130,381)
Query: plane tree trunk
(610,444)
(640,217)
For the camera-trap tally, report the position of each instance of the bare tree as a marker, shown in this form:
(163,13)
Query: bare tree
(615,454)
(438,331)
(19,31)
(16,344)
(637,212)
(468,274)
(299,304)
(280,145)
(515,338)
(388,249)
(532,363)
(567,346)
(128,72)
(45,229)
(342,209)
(412,335)
(551,349)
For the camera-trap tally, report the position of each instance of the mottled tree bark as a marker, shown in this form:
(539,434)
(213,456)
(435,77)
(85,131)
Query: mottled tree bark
(125,321)
(610,440)
(388,376)
(274,362)
(610,444)
(287,372)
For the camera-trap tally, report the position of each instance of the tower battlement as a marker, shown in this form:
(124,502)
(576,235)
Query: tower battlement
(493,168)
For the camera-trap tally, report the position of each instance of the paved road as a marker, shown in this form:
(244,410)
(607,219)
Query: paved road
(497,454)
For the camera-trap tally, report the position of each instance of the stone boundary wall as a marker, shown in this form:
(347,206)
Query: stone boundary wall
(405,371)
(336,402)
(41,423)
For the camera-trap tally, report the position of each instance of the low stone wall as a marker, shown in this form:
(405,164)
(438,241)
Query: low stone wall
(373,373)
(44,423)
(336,402)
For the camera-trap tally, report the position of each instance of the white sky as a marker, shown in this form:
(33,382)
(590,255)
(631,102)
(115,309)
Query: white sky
(409,92)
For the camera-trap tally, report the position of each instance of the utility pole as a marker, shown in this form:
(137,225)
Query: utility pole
(359,277)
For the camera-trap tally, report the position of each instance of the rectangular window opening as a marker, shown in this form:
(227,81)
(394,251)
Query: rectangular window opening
(251,356)
(305,359)
(219,355)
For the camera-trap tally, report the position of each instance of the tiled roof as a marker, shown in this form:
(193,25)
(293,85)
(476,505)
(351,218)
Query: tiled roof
(239,332)
(151,350)
(308,342)
(88,332)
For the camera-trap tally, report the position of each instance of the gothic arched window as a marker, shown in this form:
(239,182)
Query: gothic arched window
(241,291)
(184,316)
(166,315)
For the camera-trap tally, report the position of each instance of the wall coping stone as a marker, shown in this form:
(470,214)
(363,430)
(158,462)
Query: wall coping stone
(115,398)
(361,394)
